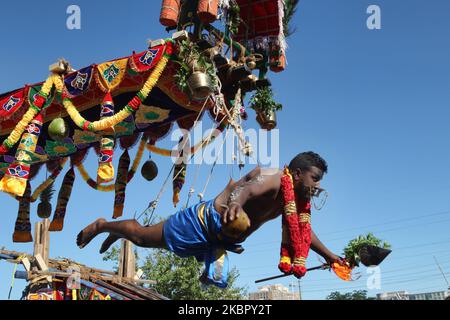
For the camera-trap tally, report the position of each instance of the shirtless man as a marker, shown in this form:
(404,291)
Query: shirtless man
(194,231)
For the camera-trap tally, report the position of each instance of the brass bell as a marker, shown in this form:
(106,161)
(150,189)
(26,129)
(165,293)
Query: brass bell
(199,84)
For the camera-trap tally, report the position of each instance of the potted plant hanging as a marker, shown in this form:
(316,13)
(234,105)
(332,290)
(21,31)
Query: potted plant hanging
(265,106)
(197,74)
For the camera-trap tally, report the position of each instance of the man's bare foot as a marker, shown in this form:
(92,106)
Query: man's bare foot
(89,233)
(108,242)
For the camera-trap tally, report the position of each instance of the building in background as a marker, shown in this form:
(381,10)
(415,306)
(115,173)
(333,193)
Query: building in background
(274,292)
(404,295)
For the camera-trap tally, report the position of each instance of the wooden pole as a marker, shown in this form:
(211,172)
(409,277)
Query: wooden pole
(42,239)
(127,260)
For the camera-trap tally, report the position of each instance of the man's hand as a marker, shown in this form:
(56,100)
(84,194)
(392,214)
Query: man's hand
(231,212)
(332,258)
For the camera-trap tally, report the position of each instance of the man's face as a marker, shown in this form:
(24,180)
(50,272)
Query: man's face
(306,182)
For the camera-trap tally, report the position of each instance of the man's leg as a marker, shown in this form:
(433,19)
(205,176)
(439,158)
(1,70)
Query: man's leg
(147,237)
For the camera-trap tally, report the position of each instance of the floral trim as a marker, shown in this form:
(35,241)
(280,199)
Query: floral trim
(129,109)
(33,111)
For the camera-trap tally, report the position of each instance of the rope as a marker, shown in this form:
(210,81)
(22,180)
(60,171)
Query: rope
(154,204)
(16,263)
(201,195)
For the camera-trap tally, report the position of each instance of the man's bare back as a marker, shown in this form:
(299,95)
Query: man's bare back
(260,207)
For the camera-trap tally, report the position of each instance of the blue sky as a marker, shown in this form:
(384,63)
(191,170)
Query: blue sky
(374,104)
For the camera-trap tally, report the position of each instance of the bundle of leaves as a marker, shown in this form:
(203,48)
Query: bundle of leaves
(290,7)
(191,59)
(234,17)
(263,101)
(351,252)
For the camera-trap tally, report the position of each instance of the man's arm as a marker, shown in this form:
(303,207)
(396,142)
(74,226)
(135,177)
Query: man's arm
(318,247)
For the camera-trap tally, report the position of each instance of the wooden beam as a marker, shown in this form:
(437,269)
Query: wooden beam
(42,239)
(127,260)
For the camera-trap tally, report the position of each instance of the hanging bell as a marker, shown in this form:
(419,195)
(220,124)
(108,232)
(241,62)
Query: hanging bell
(149,170)
(58,129)
(199,84)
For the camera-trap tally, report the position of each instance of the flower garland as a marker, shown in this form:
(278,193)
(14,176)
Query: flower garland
(296,240)
(33,111)
(194,149)
(129,109)
(111,187)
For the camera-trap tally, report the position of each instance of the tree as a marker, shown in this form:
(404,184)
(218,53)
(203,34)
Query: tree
(355,295)
(178,278)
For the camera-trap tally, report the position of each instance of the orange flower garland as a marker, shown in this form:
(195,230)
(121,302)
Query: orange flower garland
(296,230)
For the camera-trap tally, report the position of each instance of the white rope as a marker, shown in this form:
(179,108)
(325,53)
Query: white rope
(154,204)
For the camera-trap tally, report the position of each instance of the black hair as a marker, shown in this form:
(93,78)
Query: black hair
(304,161)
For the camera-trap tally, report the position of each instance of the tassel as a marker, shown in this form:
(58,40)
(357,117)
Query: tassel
(178,182)
(121,184)
(63,200)
(22,230)
(105,171)
(15,180)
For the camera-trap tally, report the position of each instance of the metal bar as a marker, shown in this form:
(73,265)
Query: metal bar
(322,267)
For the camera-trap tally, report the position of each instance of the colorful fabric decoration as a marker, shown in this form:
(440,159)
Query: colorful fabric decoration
(146,60)
(22,230)
(105,171)
(59,149)
(78,82)
(11,103)
(150,114)
(121,184)
(129,109)
(35,108)
(296,237)
(111,187)
(63,199)
(124,129)
(179,178)
(15,180)
(110,74)
(85,137)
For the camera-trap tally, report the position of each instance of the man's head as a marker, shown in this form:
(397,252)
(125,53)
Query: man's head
(307,170)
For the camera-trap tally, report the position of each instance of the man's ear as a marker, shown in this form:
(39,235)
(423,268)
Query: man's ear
(297,174)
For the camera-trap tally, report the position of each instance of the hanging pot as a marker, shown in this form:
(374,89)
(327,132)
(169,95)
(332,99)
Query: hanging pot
(58,129)
(199,84)
(170,12)
(207,10)
(267,120)
(149,170)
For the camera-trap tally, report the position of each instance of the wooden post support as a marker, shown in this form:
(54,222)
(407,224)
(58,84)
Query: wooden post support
(127,260)
(42,240)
